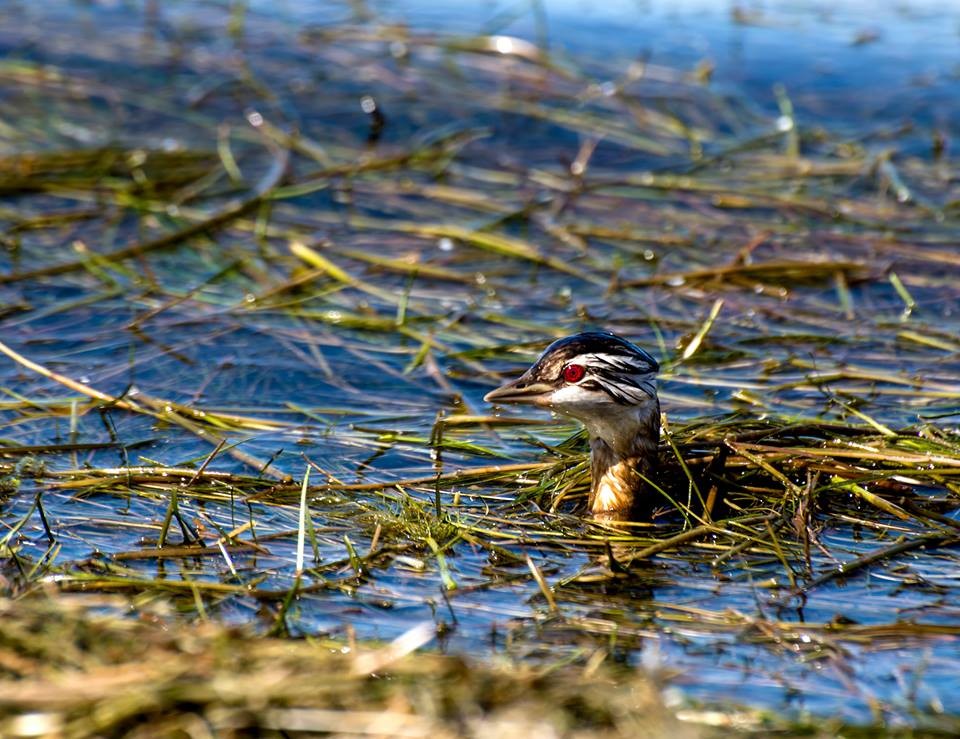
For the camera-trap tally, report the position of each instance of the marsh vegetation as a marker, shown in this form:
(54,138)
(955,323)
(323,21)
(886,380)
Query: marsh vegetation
(260,267)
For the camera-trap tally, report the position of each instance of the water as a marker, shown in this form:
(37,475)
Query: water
(359,399)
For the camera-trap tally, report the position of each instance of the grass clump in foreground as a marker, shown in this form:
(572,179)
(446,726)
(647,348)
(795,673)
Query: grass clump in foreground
(66,673)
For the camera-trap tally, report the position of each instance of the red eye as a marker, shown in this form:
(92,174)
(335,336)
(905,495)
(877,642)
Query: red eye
(574,372)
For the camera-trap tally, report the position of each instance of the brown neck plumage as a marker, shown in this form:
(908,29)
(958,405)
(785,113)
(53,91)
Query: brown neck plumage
(620,470)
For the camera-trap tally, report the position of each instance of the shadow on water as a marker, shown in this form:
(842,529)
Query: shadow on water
(240,244)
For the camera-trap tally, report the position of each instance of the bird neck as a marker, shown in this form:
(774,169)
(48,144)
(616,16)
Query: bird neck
(623,456)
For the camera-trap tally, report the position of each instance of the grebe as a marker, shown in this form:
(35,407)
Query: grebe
(609,385)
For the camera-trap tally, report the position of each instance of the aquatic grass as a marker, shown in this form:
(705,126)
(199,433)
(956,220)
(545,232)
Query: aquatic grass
(338,293)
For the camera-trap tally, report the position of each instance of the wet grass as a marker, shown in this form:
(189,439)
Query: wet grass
(247,328)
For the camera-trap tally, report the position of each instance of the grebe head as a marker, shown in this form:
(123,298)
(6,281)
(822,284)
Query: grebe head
(604,381)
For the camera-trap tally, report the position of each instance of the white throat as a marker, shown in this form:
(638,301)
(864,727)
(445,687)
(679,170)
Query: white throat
(620,426)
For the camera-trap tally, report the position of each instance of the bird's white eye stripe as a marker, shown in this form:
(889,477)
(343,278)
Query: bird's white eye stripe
(626,392)
(621,362)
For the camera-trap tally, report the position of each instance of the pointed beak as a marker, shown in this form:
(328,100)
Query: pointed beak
(522,390)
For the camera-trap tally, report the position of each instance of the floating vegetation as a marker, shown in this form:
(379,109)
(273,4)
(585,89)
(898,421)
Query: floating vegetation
(258,274)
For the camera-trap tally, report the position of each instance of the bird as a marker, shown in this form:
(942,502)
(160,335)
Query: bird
(608,384)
